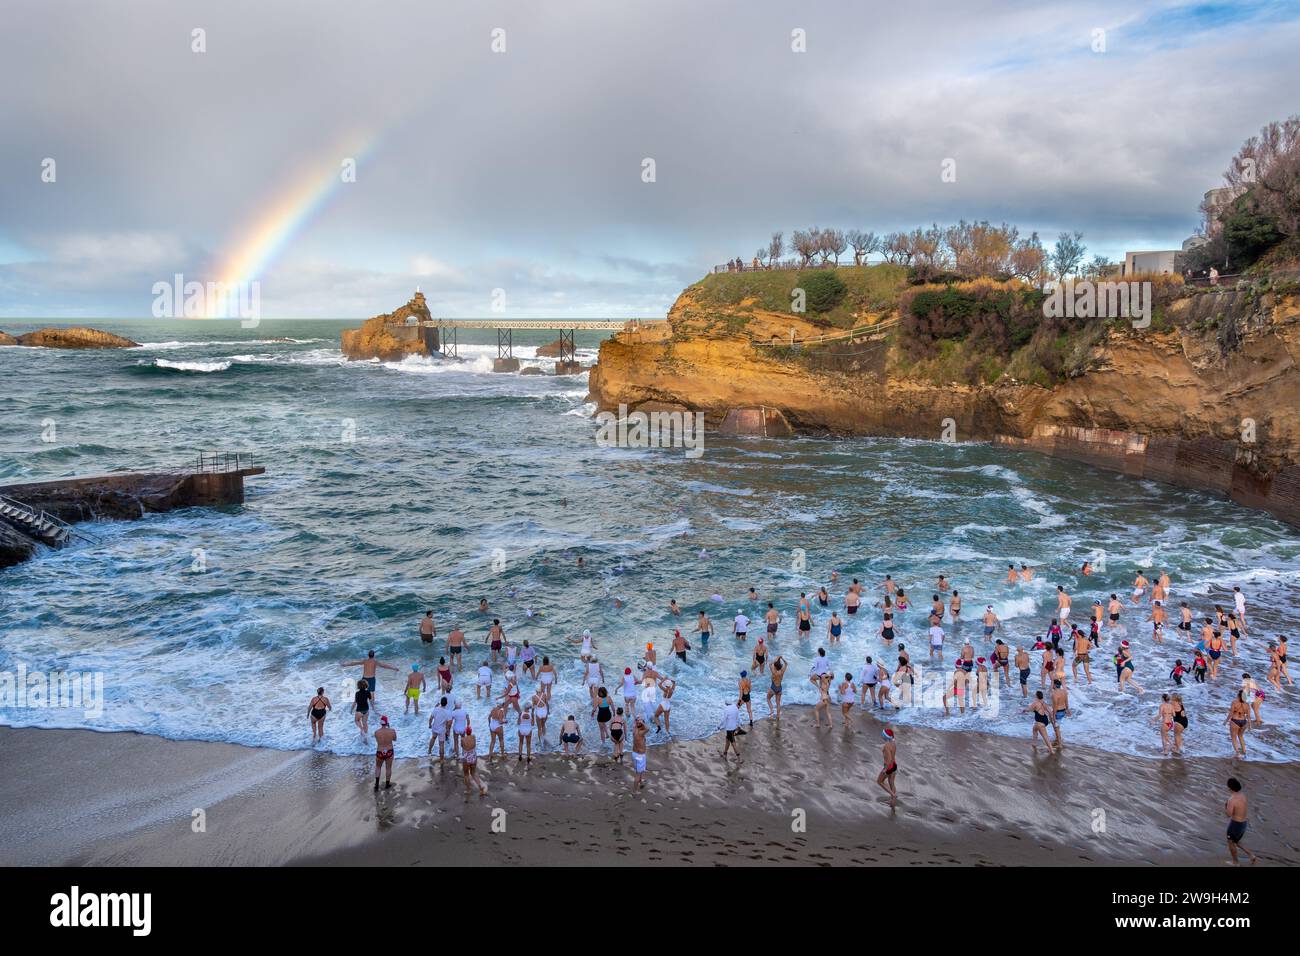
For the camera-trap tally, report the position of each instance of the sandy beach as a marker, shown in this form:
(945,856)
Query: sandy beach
(82,797)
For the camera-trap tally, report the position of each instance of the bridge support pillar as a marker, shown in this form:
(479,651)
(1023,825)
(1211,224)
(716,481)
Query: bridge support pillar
(567,363)
(505,360)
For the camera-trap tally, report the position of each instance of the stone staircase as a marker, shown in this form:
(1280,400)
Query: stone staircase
(41,525)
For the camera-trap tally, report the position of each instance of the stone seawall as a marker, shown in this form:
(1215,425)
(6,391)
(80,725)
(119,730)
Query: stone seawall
(1228,468)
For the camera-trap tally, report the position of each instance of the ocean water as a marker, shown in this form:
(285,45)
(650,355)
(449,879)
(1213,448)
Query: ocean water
(396,487)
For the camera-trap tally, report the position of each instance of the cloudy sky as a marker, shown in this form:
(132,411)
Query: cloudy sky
(522,170)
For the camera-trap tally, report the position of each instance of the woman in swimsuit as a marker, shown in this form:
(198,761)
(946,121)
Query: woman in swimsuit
(526,733)
(805,622)
(528,657)
(361,707)
(848,694)
(617,726)
(1215,649)
(887,629)
(541,710)
(546,677)
(469,760)
(1238,720)
(901,603)
(604,712)
(317,709)
(1165,720)
(823,705)
(1254,696)
(760,657)
(444,676)
(774,692)
(496,730)
(1281,659)
(823,598)
(511,696)
(834,628)
(1180,722)
(1042,720)
(744,687)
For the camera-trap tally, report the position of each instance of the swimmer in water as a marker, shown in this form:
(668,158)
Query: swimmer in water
(680,646)
(834,628)
(455,645)
(744,687)
(1238,720)
(774,691)
(760,657)
(415,683)
(318,707)
(704,627)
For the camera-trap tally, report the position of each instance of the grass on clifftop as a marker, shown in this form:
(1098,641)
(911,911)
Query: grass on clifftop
(867,289)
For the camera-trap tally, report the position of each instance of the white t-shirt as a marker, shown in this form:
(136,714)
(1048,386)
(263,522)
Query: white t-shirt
(629,685)
(459,720)
(730,717)
(936,636)
(821,666)
(485,675)
(440,718)
(1240,600)
(742,624)
(868,674)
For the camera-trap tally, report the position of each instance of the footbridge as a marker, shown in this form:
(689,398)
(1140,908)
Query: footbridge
(441,336)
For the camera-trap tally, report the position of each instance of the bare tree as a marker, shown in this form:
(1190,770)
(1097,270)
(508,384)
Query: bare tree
(775,248)
(863,243)
(1029,261)
(897,247)
(834,243)
(806,244)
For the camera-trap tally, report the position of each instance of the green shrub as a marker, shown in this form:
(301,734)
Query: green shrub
(824,290)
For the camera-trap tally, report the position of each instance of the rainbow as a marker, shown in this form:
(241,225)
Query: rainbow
(281,219)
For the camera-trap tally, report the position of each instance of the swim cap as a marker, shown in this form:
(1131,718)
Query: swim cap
(627,670)
(649,647)
(384,721)
(744,673)
(887,734)
(980,659)
(415,667)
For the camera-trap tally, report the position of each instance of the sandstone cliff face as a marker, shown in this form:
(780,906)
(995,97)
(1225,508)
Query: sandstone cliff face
(387,337)
(76,337)
(1214,400)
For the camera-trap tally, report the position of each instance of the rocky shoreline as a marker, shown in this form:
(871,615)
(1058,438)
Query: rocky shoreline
(1208,402)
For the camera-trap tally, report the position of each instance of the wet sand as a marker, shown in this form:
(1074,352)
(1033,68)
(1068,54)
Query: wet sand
(80,797)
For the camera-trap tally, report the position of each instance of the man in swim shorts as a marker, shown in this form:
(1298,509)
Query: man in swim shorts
(455,645)
(428,630)
(889,762)
(415,683)
(385,737)
(370,669)
(1235,810)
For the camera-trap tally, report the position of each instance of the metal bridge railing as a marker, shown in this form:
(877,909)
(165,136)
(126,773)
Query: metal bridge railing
(223,461)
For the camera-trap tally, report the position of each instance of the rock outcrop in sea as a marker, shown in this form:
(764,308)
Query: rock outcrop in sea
(388,338)
(75,337)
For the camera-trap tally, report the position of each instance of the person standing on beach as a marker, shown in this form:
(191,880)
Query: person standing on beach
(316,710)
(731,724)
(744,688)
(889,762)
(848,695)
(469,760)
(455,645)
(428,630)
(639,752)
(439,722)
(1235,811)
(370,669)
(385,737)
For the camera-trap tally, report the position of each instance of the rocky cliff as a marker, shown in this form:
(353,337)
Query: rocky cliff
(388,337)
(1209,397)
(76,337)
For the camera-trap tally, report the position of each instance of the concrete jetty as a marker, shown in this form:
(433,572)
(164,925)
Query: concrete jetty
(42,512)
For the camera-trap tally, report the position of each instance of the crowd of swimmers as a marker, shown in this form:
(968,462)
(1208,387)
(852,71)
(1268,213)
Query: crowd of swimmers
(644,697)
